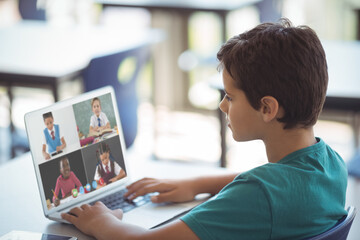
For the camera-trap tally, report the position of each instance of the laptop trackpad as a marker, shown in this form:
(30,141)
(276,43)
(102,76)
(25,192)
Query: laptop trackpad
(151,214)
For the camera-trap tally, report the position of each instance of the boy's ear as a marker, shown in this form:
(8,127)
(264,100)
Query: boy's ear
(269,108)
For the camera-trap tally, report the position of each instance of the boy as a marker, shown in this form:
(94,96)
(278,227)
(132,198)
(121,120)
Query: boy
(99,120)
(52,138)
(275,78)
(66,182)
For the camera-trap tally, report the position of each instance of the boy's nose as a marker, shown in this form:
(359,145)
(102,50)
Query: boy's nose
(221,105)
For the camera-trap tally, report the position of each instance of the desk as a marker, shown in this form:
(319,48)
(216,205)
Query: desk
(37,54)
(20,199)
(343,94)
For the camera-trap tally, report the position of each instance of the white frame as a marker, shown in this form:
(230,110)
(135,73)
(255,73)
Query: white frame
(94,195)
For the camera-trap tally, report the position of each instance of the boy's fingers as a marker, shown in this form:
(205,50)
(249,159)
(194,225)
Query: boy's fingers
(85,206)
(118,213)
(139,182)
(99,203)
(163,197)
(70,218)
(75,211)
(151,188)
(132,188)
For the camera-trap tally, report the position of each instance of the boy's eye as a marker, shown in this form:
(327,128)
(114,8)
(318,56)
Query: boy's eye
(228,98)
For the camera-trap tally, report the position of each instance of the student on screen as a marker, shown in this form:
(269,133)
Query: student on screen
(52,137)
(275,79)
(107,170)
(98,120)
(66,182)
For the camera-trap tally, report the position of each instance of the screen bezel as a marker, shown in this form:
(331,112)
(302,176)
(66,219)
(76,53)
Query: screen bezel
(94,194)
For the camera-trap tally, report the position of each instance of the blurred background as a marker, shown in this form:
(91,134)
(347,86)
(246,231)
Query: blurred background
(177,86)
(163,67)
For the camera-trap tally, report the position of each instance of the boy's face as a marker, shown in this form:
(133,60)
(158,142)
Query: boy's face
(105,158)
(49,123)
(65,168)
(243,119)
(96,107)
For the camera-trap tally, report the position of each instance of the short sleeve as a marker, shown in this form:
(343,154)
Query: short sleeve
(240,211)
(117,168)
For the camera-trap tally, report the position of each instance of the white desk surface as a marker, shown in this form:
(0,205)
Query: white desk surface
(21,209)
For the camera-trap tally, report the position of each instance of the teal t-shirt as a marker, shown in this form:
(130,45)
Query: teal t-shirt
(300,196)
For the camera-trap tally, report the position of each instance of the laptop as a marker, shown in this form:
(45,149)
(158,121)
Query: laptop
(70,164)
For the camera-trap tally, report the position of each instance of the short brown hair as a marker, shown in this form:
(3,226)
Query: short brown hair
(282,61)
(47,115)
(95,99)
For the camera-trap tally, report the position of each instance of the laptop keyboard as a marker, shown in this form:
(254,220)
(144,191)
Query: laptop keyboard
(117,200)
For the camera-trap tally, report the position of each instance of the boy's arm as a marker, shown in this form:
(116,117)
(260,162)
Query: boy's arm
(45,154)
(106,126)
(62,146)
(178,190)
(213,184)
(102,223)
(93,130)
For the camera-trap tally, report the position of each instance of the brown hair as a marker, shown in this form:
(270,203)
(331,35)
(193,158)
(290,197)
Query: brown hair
(95,99)
(103,148)
(282,61)
(47,115)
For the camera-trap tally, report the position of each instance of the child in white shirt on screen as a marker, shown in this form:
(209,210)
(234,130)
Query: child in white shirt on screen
(99,120)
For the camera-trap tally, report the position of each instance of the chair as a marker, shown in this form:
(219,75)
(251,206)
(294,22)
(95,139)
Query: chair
(120,70)
(19,142)
(28,10)
(341,230)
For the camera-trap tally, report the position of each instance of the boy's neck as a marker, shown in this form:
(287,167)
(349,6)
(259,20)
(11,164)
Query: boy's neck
(281,143)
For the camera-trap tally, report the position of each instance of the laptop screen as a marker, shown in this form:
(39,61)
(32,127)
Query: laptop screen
(76,147)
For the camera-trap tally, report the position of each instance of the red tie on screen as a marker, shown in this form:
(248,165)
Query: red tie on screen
(52,135)
(107,169)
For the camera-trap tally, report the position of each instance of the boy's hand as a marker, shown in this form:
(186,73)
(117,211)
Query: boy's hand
(47,156)
(58,148)
(90,219)
(169,190)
